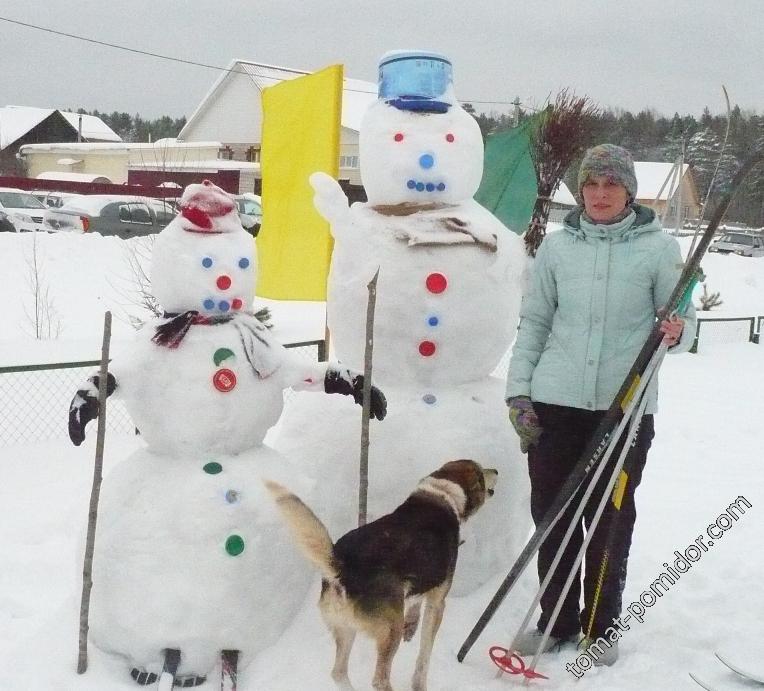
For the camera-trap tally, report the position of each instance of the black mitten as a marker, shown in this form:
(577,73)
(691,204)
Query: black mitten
(347,383)
(84,406)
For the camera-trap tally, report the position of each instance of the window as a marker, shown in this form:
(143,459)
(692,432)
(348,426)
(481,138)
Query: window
(253,154)
(134,213)
(348,161)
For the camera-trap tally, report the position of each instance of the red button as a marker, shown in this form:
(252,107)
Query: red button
(224,282)
(427,348)
(224,380)
(436,283)
(236,303)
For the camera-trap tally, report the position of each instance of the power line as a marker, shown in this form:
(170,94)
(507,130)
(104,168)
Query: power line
(194,63)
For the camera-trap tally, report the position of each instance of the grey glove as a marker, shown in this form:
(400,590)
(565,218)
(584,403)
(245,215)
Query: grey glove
(525,421)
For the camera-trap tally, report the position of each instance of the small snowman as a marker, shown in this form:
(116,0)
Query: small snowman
(191,559)
(447,304)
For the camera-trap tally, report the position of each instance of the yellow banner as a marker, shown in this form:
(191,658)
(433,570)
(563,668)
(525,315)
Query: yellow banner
(301,135)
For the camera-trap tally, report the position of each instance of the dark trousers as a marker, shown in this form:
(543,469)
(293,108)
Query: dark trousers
(566,433)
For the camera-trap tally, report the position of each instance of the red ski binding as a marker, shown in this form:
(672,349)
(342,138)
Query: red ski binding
(512,663)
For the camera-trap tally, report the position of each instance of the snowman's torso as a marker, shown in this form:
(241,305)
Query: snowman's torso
(202,395)
(446,305)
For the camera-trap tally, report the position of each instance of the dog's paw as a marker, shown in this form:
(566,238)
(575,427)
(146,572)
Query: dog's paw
(418,684)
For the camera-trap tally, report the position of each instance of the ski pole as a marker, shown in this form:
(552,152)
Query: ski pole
(633,429)
(628,415)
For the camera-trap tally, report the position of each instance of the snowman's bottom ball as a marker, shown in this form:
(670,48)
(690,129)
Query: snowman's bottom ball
(191,554)
(424,429)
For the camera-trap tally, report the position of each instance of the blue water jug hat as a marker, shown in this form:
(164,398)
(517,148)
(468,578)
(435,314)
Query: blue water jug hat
(416,80)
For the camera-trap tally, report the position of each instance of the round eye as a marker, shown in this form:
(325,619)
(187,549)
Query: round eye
(449,137)
(398,137)
(243,263)
(207,262)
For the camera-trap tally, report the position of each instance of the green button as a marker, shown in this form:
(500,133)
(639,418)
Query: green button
(213,468)
(234,545)
(222,354)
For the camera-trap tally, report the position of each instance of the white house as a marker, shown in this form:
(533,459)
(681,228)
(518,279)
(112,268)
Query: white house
(658,186)
(232,113)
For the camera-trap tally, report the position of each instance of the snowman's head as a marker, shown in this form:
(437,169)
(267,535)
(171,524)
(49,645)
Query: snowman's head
(204,260)
(419,157)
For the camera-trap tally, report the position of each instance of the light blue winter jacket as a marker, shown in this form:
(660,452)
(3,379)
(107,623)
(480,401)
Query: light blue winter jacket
(590,306)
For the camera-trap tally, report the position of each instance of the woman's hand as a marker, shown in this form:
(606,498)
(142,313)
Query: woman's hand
(672,330)
(524,420)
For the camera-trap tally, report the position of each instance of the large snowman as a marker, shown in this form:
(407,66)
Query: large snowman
(190,556)
(447,304)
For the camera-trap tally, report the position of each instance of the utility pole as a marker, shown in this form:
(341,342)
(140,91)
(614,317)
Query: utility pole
(79,129)
(516,118)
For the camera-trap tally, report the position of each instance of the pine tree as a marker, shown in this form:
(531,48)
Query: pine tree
(703,152)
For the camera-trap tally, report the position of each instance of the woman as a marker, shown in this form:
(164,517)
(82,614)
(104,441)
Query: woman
(596,288)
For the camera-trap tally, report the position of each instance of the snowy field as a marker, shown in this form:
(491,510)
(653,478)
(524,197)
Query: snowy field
(706,454)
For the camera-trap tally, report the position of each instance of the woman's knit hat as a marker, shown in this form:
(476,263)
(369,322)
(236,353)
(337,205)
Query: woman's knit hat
(613,161)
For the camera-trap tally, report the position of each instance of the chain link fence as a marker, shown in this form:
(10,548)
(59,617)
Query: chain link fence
(34,399)
(721,330)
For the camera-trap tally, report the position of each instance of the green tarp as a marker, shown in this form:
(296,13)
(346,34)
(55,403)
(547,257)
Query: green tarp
(508,187)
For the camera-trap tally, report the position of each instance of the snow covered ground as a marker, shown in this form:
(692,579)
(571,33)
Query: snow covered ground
(706,454)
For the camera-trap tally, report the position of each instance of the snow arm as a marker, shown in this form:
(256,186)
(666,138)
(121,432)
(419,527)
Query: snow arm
(329,199)
(84,406)
(333,378)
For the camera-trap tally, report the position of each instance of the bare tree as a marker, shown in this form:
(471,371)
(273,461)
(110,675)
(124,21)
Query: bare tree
(134,287)
(41,313)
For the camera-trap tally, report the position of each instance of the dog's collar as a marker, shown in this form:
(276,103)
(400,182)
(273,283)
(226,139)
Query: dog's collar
(451,492)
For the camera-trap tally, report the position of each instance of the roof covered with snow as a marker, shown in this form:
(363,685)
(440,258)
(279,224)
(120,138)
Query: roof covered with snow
(564,196)
(16,121)
(651,177)
(93,128)
(88,147)
(357,94)
(213,164)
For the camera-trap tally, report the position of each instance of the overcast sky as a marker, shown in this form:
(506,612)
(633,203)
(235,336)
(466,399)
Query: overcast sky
(669,55)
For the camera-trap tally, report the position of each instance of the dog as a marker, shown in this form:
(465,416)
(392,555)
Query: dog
(375,578)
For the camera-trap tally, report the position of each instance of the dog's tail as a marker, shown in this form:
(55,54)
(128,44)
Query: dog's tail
(311,535)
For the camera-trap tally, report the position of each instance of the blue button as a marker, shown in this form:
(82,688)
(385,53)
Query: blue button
(429,398)
(420,186)
(441,186)
(430,187)
(207,262)
(426,161)
(411,184)
(243,263)
(209,304)
(223,306)
(433,321)
(232,496)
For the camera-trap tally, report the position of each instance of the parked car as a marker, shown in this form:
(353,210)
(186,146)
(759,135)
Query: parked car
(744,244)
(54,200)
(6,225)
(250,208)
(22,209)
(125,217)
